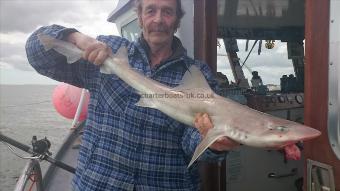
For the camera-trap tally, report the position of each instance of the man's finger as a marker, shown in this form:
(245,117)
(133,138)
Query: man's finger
(101,57)
(93,55)
(89,50)
(198,118)
(94,46)
(207,122)
(227,141)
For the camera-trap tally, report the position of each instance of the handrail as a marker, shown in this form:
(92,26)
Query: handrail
(42,145)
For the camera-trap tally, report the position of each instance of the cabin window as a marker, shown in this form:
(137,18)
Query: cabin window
(270,63)
(131,30)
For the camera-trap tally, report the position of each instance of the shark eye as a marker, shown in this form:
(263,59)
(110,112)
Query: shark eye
(281,128)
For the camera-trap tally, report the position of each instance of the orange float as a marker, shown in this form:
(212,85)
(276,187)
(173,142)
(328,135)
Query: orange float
(66,100)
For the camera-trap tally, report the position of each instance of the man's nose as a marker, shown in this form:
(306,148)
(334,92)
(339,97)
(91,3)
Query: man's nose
(158,17)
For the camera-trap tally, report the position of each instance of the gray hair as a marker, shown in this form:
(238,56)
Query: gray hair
(179,11)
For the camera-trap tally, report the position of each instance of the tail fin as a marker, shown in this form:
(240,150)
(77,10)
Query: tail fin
(212,135)
(71,51)
(46,41)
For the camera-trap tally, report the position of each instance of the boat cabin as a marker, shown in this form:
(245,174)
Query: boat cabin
(308,31)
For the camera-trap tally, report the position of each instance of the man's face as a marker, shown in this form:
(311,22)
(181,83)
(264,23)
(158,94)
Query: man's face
(158,21)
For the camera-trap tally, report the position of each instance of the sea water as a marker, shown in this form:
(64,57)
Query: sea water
(25,111)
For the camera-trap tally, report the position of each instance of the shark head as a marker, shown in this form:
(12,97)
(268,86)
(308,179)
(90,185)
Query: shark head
(280,135)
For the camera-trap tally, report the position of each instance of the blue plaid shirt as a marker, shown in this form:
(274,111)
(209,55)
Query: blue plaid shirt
(126,147)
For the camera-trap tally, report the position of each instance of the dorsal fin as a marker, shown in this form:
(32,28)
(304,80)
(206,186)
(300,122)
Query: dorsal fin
(193,78)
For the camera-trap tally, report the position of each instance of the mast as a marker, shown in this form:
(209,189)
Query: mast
(205,38)
(316,84)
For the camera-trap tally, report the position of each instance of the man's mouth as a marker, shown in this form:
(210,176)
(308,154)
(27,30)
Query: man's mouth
(159,29)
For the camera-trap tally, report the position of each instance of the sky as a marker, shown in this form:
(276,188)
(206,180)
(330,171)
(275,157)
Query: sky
(19,18)
(271,64)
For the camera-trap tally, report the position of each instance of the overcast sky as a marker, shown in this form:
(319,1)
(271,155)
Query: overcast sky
(271,64)
(19,18)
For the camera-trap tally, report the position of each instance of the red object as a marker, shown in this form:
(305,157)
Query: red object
(292,152)
(66,99)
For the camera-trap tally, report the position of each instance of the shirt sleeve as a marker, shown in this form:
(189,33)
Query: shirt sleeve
(53,65)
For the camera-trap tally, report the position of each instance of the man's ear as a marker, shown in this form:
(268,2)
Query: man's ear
(140,21)
(177,25)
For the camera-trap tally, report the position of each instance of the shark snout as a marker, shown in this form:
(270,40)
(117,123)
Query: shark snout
(296,132)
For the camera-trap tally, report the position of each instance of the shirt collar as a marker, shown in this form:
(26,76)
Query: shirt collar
(178,50)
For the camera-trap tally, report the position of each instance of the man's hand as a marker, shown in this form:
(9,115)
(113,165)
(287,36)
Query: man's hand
(203,124)
(94,51)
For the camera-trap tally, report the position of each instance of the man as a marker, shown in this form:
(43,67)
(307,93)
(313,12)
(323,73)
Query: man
(126,147)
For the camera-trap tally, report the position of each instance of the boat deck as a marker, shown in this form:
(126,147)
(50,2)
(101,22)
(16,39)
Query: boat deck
(57,179)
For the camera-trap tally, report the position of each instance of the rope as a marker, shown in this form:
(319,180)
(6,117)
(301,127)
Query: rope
(249,53)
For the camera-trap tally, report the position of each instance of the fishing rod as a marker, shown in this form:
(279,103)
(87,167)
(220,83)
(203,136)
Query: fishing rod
(39,150)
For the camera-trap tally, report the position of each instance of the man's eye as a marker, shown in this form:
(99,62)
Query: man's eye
(150,11)
(169,12)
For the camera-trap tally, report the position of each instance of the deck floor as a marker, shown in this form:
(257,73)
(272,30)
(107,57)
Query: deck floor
(57,179)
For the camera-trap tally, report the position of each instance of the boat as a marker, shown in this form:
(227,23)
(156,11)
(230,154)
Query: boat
(312,95)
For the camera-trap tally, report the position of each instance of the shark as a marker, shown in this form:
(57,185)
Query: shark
(230,119)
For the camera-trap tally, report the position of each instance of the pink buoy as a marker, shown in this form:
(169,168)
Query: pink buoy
(66,100)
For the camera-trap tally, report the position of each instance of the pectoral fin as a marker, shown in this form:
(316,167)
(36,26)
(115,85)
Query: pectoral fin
(212,135)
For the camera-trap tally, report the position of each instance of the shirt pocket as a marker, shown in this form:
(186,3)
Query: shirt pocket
(114,95)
